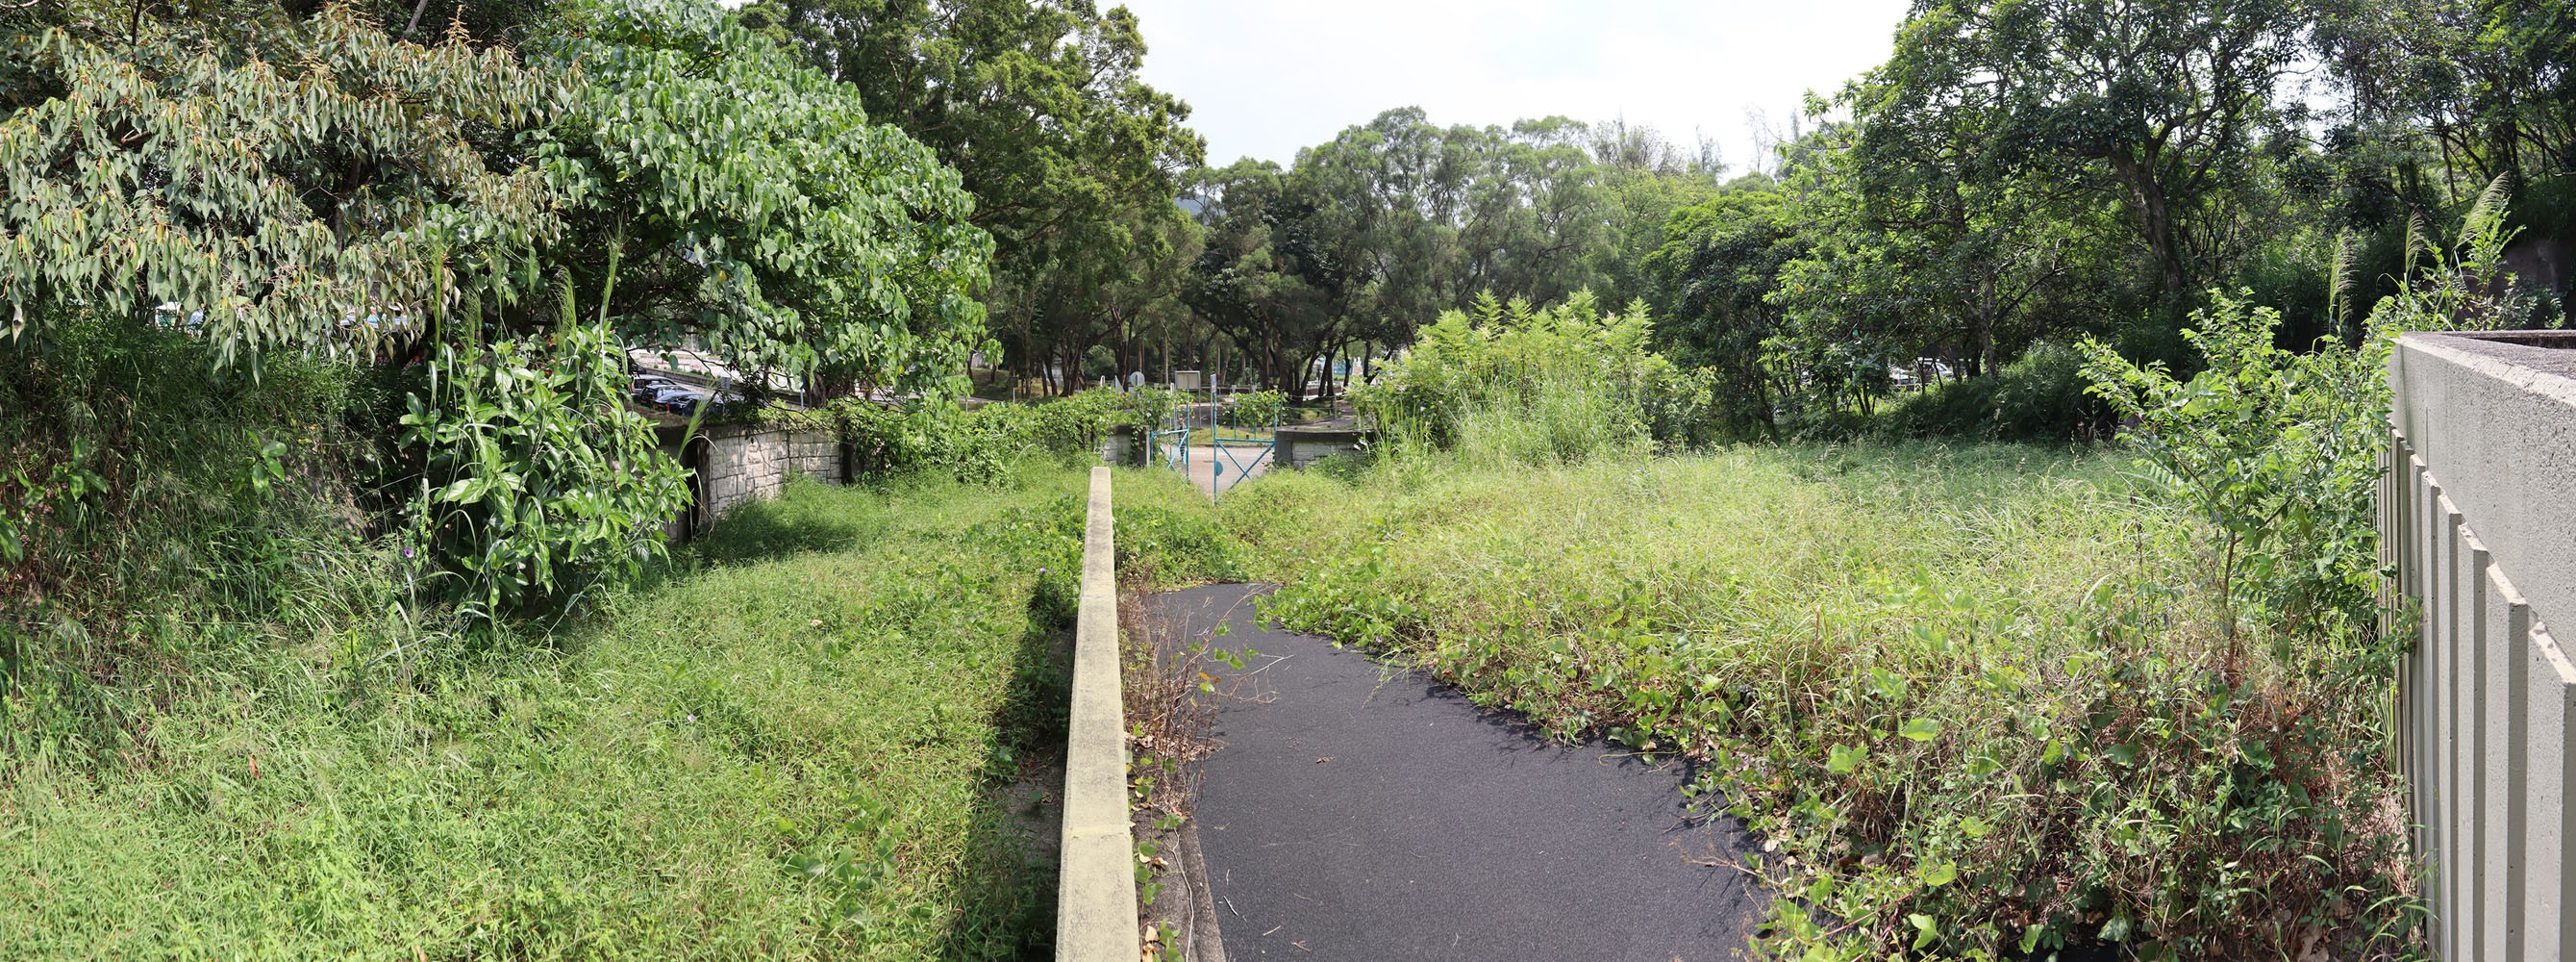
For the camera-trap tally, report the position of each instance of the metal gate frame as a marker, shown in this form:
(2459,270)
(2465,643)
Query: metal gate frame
(1242,455)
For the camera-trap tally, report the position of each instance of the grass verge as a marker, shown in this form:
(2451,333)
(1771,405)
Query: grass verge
(808,738)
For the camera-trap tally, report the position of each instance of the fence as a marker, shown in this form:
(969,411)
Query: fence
(2479,523)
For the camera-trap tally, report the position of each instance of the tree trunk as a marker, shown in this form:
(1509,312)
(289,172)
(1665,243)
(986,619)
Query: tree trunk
(2155,218)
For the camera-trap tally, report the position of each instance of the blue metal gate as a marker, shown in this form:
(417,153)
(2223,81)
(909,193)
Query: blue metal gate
(1229,452)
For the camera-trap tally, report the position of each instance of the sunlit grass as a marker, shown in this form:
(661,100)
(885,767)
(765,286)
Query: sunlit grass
(800,745)
(1974,684)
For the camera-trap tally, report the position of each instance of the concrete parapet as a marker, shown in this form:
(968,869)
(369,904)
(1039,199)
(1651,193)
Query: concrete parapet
(1118,444)
(1299,447)
(2479,522)
(1096,896)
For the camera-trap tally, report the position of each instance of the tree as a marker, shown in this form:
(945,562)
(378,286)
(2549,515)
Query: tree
(2491,82)
(2157,107)
(1258,280)
(311,186)
(739,197)
(1037,104)
(1717,270)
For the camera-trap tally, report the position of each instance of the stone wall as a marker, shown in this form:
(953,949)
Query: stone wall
(733,463)
(2479,521)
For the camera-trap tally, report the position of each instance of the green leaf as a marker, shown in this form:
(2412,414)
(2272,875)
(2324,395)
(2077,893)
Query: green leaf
(1844,759)
(1920,729)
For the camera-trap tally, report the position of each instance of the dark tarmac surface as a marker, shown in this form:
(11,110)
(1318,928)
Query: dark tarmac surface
(1357,813)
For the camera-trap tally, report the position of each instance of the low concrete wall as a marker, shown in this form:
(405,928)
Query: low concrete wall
(2479,521)
(1299,447)
(1118,445)
(1096,894)
(733,463)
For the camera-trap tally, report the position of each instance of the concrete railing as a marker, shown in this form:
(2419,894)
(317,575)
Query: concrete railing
(2479,521)
(1299,447)
(1096,895)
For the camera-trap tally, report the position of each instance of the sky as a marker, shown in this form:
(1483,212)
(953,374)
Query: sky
(1265,77)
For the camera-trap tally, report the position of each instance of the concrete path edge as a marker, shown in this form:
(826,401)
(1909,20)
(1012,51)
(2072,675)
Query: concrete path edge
(1096,893)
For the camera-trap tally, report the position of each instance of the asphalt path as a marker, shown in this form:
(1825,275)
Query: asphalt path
(1361,812)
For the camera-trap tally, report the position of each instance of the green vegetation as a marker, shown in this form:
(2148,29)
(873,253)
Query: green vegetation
(1979,700)
(336,616)
(799,740)
(1535,384)
(1969,693)
(722,189)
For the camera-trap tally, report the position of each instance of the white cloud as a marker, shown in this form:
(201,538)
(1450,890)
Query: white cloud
(1265,78)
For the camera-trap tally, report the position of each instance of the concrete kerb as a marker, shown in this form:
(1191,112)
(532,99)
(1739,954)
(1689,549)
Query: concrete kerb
(1096,894)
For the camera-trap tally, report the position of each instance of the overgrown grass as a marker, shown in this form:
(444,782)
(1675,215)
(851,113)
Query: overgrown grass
(1967,694)
(800,741)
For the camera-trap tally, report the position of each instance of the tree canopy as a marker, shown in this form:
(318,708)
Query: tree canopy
(746,200)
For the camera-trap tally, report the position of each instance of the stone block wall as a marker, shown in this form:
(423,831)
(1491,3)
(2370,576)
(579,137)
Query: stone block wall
(733,463)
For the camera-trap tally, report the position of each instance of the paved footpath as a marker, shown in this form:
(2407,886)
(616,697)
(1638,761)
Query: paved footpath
(1241,465)
(1361,813)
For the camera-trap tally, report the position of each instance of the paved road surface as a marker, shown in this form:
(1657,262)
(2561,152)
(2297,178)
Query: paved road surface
(1358,814)
(1241,464)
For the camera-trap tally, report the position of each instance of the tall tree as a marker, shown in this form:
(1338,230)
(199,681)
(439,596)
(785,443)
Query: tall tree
(2492,82)
(281,183)
(744,199)
(2157,105)
(1038,105)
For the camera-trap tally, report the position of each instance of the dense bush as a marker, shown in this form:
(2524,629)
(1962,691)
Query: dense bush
(538,480)
(2040,396)
(718,186)
(983,443)
(1256,409)
(1535,384)
(160,516)
(2278,451)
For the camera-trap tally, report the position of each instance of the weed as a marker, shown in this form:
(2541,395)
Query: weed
(800,751)
(1972,693)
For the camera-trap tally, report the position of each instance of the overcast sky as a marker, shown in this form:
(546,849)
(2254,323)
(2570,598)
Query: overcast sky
(1265,77)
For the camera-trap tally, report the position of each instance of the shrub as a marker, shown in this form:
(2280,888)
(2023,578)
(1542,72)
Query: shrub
(2041,396)
(537,478)
(159,516)
(2277,451)
(1258,409)
(979,445)
(1532,384)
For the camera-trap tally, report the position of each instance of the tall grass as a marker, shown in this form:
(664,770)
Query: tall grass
(159,520)
(1968,694)
(778,747)
(1557,421)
